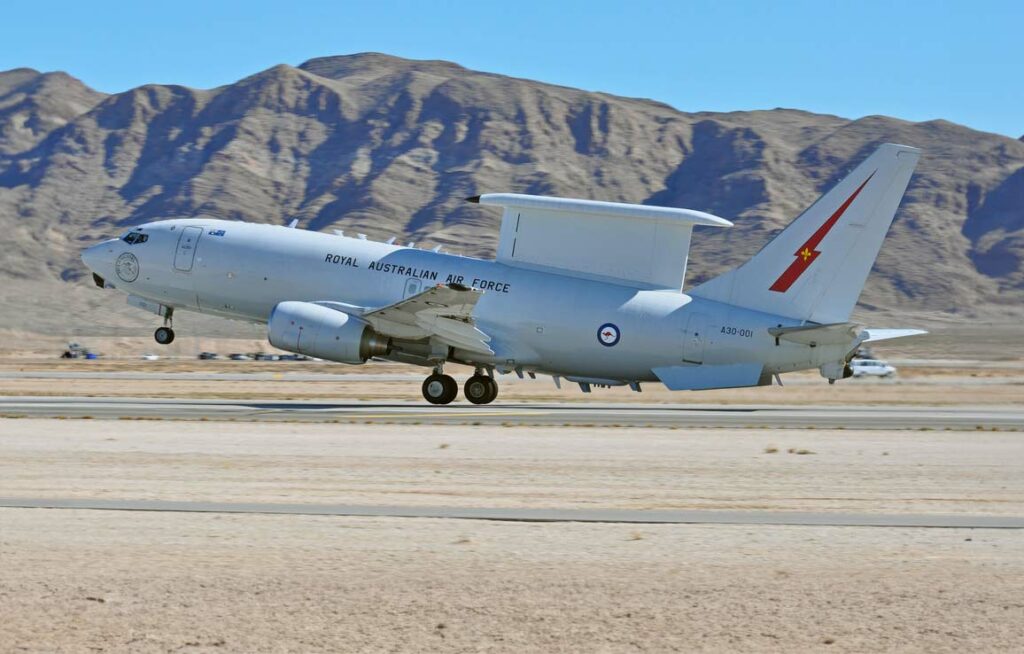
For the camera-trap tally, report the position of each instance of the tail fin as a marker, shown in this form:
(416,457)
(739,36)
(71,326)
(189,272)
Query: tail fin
(816,267)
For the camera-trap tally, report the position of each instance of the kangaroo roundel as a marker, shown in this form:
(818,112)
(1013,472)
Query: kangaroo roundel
(608,334)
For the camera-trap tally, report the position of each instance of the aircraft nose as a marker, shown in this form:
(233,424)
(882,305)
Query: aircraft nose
(100,259)
(92,256)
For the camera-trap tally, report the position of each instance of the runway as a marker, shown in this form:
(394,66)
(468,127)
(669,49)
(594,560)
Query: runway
(619,516)
(526,413)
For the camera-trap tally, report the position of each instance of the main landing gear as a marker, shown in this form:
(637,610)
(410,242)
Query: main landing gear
(165,335)
(440,388)
(480,389)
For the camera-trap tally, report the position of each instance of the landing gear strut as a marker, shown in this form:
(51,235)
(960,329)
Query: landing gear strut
(165,335)
(440,388)
(480,389)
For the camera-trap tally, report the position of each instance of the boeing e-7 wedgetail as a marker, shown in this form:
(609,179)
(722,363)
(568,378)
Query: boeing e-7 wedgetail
(590,292)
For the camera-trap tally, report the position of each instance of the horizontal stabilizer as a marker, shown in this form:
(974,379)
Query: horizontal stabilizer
(701,378)
(838,333)
(874,334)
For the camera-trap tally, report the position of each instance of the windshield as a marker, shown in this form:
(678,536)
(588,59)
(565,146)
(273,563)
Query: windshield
(131,238)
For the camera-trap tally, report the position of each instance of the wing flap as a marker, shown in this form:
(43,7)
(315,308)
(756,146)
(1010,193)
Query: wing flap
(444,312)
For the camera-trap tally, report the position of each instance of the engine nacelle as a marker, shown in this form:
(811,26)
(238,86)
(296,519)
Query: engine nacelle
(314,330)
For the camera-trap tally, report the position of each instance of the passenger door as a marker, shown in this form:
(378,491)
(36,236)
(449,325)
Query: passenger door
(694,338)
(185,255)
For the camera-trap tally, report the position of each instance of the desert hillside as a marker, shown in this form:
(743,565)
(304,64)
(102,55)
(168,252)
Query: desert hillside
(387,146)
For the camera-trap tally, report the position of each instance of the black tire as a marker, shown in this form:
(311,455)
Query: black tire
(494,390)
(477,389)
(480,389)
(164,335)
(440,389)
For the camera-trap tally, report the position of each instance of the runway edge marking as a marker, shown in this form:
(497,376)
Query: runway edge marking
(606,516)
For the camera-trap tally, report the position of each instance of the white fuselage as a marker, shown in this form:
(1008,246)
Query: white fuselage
(538,320)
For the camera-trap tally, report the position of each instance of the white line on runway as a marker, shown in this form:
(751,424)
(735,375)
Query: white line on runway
(530,413)
(697,517)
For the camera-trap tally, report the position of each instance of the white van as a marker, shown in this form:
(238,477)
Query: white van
(871,368)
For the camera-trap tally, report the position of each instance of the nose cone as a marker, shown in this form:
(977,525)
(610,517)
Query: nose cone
(92,257)
(100,260)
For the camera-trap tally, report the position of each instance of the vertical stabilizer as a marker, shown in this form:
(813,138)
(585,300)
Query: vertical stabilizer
(816,267)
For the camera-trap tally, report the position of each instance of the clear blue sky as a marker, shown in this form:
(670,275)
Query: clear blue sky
(918,60)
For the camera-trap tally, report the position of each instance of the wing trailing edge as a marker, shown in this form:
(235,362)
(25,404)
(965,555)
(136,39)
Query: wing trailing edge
(443,312)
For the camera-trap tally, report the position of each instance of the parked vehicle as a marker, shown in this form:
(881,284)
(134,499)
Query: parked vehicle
(239,357)
(871,368)
(76,351)
(208,356)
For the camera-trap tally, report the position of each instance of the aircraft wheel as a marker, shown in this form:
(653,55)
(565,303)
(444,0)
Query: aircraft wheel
(494,390)
(480,389)
(440,389)
(164,335)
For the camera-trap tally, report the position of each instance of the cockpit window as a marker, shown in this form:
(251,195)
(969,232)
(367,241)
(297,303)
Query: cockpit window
(131,238)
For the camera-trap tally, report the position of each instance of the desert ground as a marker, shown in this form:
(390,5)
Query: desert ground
(77,580)
(146,582)
(81,580)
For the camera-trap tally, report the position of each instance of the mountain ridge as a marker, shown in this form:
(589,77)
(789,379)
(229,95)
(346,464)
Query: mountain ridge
(387,146)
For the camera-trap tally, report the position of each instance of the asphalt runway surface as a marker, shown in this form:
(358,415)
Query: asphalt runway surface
(622,516)
(579,414)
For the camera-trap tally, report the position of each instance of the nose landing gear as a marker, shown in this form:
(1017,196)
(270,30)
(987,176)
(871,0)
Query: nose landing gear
(165,335)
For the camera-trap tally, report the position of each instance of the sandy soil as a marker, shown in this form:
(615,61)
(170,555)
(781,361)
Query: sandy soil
(79,581)
(639,468)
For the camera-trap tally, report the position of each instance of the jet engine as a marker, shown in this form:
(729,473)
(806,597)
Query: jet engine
(314,330)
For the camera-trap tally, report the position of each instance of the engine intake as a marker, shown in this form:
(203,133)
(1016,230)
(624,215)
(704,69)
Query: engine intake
(314,330)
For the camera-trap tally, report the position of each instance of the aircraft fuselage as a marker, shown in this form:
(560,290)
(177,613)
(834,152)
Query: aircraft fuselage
(538,320)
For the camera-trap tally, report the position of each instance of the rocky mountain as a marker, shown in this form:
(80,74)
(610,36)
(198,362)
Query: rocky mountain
(33,104)
(386,146)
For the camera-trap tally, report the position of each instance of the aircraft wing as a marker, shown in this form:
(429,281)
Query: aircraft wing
(444,312)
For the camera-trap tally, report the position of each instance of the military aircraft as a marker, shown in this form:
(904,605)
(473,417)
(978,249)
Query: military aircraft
(590,292)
